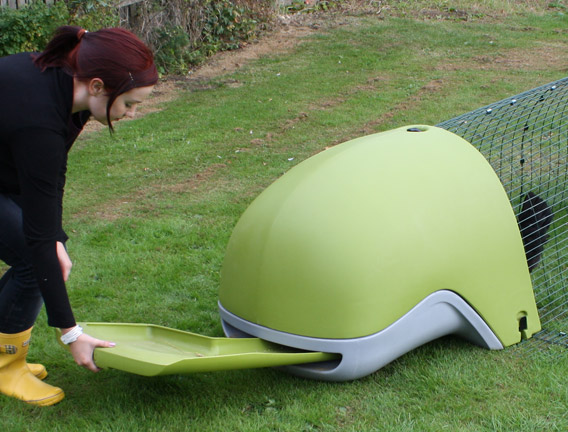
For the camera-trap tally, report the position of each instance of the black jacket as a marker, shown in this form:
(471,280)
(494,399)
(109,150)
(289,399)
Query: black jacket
(37,129)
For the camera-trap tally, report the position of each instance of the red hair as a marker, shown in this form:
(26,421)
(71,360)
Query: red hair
(116,56)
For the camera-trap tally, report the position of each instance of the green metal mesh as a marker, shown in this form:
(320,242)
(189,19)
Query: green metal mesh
(525,139)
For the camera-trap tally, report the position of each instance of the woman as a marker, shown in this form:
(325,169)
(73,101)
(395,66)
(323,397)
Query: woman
(46,100)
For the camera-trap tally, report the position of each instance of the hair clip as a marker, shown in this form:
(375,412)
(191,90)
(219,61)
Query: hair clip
(81,33)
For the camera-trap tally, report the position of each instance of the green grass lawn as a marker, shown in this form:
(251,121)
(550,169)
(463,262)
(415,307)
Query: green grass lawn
(151,209)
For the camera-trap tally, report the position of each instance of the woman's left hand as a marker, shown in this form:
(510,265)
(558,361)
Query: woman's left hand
(64,260)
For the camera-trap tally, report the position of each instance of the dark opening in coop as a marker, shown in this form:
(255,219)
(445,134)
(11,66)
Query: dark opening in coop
(525,139)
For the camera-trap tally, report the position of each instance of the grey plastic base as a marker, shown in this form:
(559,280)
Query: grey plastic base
(441,313)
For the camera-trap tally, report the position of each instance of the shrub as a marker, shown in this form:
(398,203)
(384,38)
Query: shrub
(171,44)
(226,25)
(29,28)
(93,14)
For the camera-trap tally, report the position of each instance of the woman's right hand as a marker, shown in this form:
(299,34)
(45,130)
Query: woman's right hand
(83,349)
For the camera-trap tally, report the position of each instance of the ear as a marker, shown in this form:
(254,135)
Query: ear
(96,87)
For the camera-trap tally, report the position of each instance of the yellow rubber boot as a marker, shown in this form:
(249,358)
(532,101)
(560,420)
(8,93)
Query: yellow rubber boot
(16,378)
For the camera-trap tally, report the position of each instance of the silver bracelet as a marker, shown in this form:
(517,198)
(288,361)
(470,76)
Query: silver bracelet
(72,335)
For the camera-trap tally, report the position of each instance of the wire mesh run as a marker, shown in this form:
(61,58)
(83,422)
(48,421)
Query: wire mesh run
(525,139)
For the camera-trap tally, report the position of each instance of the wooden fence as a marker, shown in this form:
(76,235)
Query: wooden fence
(127,8)
(17,4)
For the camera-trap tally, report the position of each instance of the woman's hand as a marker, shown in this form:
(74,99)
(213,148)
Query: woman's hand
(64,261)
(83,349)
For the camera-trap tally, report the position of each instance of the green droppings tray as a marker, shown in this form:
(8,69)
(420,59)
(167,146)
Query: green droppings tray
(151,350)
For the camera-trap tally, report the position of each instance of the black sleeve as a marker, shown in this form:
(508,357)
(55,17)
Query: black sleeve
(40,156)
(62,236)
(75,125)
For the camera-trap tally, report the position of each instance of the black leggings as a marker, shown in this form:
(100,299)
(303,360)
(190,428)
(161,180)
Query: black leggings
(20,298)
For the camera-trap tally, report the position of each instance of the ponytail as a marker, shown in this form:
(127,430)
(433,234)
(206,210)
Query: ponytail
(58,50)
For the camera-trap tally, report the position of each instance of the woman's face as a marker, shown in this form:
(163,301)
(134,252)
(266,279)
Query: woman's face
(123,106)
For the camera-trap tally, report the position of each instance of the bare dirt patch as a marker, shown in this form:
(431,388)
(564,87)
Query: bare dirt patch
(550,56)
(281,40)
